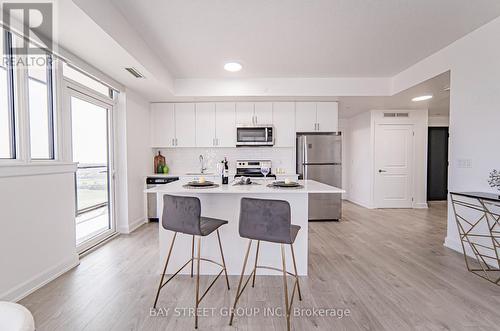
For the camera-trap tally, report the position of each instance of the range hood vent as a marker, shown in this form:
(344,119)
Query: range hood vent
(134,72)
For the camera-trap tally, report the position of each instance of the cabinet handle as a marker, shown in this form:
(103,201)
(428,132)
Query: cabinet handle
(173,142)
(318,126)
(217,141)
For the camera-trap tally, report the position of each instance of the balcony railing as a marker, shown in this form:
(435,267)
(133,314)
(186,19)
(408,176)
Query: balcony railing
(92,187)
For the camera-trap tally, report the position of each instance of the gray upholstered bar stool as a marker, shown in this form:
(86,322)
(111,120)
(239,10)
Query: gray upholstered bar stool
(183,214)
(268,220)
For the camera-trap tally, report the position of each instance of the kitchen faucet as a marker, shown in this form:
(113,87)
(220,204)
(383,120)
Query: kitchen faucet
(202,168)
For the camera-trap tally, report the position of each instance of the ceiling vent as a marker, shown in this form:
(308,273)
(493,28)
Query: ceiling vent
(396,114)
(134,72)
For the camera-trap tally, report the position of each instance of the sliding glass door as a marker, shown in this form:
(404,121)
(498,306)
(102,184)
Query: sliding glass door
(92,149)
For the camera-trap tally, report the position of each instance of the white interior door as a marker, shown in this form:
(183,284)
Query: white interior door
(393,166)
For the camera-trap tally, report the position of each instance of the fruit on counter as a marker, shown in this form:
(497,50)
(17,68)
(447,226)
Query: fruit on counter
(166,169)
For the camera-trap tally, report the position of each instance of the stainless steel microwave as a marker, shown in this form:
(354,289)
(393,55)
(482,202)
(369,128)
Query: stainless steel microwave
(254,135)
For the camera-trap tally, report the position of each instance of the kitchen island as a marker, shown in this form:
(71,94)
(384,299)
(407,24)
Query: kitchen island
(223,202)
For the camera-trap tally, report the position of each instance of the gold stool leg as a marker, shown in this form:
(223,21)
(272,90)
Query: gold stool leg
(241,280)
(296,275)
(197,284)
(285,287)
(192,256)
(255,266)
(223,260)
(164,269)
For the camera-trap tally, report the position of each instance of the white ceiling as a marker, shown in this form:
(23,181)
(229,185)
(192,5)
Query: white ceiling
(439,105)
(299,38)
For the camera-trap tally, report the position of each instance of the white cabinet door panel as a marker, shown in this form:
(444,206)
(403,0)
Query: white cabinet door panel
(305,116)
(205,124)
(327,116)
(162,125)
(284,124)
(225,115)
(245,113)
(263,113)
(185,127)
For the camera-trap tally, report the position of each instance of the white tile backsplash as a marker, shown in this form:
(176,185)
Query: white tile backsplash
(182,160)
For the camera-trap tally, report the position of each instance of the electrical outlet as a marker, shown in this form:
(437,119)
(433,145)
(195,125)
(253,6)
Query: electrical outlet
(464,163)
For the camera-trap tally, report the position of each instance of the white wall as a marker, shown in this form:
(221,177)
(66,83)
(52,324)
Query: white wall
(474,108)
(37,237)
(439,121)
(359,155)
(359,161)
(138,156)
(133,160)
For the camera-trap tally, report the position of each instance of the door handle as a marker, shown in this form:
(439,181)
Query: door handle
(380,171)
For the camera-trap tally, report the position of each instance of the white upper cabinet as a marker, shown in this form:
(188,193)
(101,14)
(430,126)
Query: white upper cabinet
(205,124)
(185,126)
(305,116)
(316,117)
(284,124)
(225,123)
(263,113)
(162,125)
(253,113)
(245,113)
(327,116)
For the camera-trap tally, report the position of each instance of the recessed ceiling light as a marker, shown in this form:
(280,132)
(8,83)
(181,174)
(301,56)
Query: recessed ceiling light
(232,66)
(422,98)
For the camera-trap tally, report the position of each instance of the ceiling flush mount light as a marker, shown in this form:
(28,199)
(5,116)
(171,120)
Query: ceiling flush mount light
(422,98)
(232,66)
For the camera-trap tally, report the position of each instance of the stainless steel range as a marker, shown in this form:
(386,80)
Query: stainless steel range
(251,168)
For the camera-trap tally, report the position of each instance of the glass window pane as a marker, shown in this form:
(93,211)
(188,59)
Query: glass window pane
(6,112)
(40,108)
(90,141)
(85,80)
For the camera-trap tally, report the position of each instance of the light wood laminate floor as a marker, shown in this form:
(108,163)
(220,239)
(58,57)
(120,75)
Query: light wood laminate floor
(388,267)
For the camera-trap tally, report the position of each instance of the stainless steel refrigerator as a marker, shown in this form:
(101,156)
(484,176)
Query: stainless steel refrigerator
(319,157)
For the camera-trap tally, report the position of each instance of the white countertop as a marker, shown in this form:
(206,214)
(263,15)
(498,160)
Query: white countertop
(231,174)
(310,186)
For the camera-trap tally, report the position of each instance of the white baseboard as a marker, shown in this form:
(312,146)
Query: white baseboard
(362,204)
(132,226)
(420,205)
(136,224)
(31,285)
(454,245)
